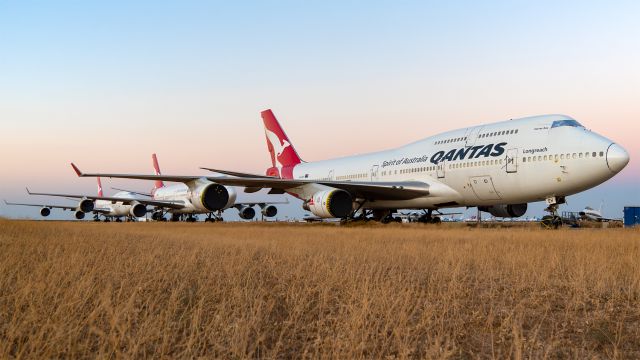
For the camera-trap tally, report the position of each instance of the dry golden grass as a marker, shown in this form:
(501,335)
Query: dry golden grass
(73,290)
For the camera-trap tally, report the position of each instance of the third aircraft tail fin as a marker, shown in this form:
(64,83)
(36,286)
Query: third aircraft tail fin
(156,170)
(100,193)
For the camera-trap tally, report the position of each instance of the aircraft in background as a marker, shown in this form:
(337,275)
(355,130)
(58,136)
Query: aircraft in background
(122,204)
(197,195)
(45,209)
(114,210)
(498,167)
(591,214)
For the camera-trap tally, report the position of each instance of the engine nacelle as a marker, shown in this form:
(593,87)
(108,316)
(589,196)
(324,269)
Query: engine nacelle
(79,215)
(269,211)
(330,204)
(246,212)
(213,197)
(137,209)
(85,205)
(45,211)
(508,211)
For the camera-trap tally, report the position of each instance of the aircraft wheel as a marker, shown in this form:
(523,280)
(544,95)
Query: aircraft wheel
(551,222)
(436,220)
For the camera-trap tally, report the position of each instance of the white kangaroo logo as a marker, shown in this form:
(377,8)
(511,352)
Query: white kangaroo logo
(277,145)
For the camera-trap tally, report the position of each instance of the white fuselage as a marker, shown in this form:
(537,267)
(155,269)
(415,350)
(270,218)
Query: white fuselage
(117,208)
(176,192)
(509,162)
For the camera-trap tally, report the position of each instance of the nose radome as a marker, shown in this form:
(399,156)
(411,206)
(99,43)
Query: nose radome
(617,157)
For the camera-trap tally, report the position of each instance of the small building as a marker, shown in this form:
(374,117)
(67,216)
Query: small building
(631,216)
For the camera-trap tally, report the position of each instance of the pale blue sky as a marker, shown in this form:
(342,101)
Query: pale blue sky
(106,84)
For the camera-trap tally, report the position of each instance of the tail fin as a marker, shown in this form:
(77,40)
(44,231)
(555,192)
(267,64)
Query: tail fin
(156,170)
(100,188)
(283,155)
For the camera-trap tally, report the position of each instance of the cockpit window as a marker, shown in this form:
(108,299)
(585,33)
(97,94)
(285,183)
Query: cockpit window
(560,123)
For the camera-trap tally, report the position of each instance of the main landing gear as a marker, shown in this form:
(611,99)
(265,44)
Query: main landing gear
(428,218)
(158,215)
(386,216)
(213,217)
(552,221)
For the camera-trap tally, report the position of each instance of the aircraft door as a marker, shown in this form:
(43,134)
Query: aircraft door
(374,173)
(472,135)
(331,175)
(512,160)
(483,187)
(440,169)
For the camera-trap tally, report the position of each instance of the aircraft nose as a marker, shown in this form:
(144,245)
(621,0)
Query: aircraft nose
(617,158)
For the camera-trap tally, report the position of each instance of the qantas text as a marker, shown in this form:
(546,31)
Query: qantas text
(473,152)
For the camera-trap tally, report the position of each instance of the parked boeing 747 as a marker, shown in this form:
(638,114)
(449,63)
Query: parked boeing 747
(498,167)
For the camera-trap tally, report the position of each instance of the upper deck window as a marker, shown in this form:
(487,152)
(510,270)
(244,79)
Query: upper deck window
(560,123)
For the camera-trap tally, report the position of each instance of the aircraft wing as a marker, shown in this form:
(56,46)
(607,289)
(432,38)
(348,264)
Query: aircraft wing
(102,210)
(133,192)
(239,174)
(262,203)
(64,207)
(125,201)
(399,190)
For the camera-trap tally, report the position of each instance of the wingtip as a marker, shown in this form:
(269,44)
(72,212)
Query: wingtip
(75,168)
(28,192)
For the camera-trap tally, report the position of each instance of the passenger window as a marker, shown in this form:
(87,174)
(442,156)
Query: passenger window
(574,155)
(601,153)
(540,158)
(580,155)
(562,156)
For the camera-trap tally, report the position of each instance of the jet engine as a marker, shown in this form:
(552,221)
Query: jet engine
(79,214)
(246,212)
(45,211)
(212,197)
(509,211)
(85,205)
(137,209)
(269,211)
(330,204)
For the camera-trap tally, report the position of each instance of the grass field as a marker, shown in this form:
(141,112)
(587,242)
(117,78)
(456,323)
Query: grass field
(156,290)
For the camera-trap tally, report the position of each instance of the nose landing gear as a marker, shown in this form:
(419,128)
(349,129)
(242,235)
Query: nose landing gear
(553,221)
